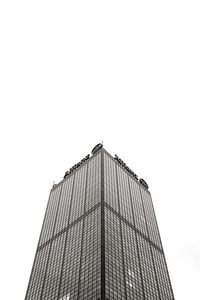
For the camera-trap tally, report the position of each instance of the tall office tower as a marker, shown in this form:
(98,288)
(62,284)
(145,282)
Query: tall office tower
(99,238)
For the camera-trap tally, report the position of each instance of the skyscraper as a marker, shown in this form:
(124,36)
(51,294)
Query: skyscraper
(99,238)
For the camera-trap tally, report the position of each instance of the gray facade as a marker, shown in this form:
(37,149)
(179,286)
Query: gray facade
(99,238)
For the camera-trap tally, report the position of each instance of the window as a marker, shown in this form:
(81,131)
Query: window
(65,297)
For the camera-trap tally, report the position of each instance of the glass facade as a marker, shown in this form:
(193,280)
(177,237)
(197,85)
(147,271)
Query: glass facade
(99,239)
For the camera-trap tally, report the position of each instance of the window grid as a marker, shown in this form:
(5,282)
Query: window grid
(38,275)
(48,227)
(110,183)
(115,288)
(147,268)
(131,261)
(93,194)
(52,276)
(77,208)
(71,262)
(139,217)
(124,195)
(90,276)
(63,211)
(162,276)
(150,218)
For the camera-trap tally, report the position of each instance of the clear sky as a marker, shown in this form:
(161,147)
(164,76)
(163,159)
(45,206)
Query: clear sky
(74,73)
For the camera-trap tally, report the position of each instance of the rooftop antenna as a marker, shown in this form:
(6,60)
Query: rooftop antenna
(102,143)
(54,184)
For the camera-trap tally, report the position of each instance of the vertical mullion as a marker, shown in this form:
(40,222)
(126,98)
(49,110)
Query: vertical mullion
(136,239)
(120,224)
(51,242)
(150,243)
(66,235)
(83,226)
(102,230)
(162,246)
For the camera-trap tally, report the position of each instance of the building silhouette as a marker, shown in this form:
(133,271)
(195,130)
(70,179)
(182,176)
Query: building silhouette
(99,238)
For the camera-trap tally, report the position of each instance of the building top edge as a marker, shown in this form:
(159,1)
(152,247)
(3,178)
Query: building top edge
(77,167)
(95,151)
(141,181)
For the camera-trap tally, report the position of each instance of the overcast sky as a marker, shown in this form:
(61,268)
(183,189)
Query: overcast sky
(74,73)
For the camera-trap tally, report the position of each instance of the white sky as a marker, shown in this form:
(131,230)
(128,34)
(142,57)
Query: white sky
(74,73)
